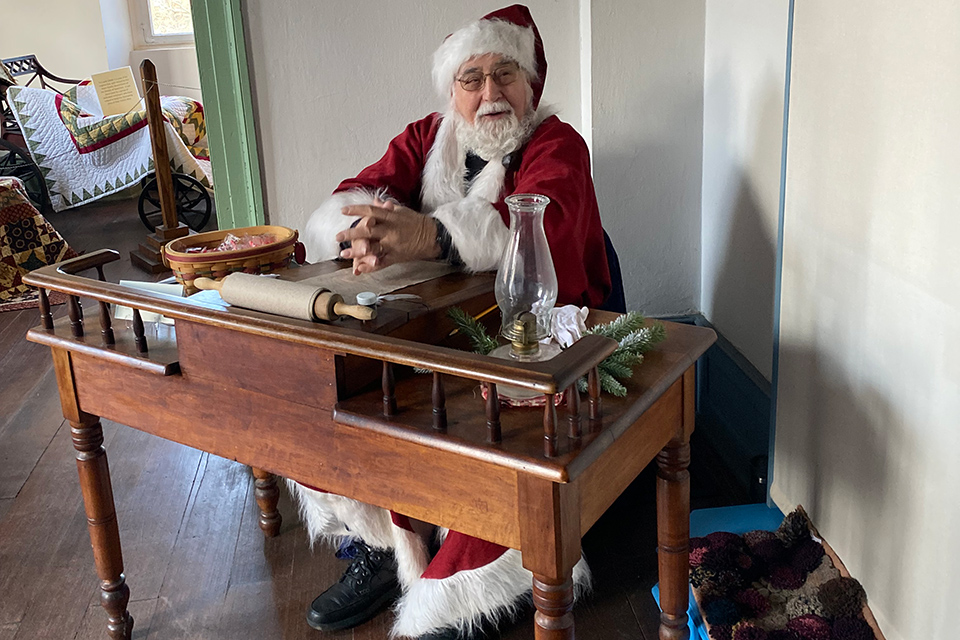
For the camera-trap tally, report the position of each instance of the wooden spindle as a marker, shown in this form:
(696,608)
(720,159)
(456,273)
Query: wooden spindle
(596,406)
(554,602)
(267,494)
(100,276)
(46,318)
(573,412)
(550,427)
(389,391)
(106,330)
(494,435)
(138,335)
(439,403)
(76,319)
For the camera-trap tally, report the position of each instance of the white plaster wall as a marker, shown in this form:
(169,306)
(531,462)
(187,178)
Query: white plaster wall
(79,38)
(117,33)
(647,144)
(869,377)
(67,37)
(177,70)
(744,74)
(335,81)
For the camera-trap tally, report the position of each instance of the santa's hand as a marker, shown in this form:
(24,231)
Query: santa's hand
(388,234)
(365,250)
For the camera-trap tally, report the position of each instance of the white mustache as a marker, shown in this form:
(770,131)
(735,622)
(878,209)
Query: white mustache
(494,107)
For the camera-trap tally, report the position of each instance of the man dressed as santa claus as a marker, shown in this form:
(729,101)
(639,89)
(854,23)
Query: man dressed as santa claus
(438,194)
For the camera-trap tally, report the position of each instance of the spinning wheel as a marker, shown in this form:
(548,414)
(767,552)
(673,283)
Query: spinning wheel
(192,199)
(16,162)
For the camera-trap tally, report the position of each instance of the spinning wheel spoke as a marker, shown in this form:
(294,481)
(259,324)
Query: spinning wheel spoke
(191,198)
(193,202)
(15,162)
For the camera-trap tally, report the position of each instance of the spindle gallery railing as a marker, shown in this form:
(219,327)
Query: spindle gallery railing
(549,378)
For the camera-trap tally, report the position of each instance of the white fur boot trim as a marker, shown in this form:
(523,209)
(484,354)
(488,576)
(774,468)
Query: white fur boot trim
(332,517)
(319,234)
(466,598)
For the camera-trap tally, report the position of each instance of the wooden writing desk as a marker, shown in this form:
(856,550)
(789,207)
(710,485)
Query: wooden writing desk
(291,398)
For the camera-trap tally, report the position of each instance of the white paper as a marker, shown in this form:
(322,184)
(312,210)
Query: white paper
(126,313)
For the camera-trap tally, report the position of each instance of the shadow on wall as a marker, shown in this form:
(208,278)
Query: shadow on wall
(647,180)
(740,219)
(863,497)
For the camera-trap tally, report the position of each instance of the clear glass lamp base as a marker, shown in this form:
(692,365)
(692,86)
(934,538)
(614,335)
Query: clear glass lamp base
(505,352)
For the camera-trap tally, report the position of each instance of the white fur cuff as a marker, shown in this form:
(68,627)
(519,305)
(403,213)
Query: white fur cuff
(319,234)
(477,232)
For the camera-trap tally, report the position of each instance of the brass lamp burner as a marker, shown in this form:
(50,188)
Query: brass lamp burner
(523,334)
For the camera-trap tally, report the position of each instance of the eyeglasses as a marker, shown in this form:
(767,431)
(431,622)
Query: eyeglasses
(503,76)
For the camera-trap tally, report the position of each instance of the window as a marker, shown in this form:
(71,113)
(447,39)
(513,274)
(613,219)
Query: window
(162,22)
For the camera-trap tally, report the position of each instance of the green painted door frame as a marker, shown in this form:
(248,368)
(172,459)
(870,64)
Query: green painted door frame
(228,110)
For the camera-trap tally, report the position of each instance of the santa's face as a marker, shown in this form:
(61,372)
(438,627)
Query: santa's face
(492,102)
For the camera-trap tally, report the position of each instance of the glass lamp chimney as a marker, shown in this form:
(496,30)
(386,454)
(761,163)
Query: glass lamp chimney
(526,286)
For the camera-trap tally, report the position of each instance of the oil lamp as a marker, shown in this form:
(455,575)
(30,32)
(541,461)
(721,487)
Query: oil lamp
(526,286)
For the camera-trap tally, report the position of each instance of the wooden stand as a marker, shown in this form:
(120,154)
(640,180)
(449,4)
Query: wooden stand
(147,255)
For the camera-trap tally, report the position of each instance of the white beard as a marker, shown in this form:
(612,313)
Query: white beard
(493,139)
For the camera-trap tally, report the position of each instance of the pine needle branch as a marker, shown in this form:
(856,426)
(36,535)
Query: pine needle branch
(628,330)
(480,340)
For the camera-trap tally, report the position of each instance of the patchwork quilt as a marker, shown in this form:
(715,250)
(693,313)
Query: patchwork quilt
(84,156)
(27,242)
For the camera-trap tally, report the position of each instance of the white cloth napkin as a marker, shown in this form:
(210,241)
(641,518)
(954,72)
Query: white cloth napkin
(567,324)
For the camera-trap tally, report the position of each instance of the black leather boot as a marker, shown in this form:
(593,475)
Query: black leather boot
(367,587)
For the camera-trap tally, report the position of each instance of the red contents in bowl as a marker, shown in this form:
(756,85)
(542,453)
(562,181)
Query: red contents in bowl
(232,243)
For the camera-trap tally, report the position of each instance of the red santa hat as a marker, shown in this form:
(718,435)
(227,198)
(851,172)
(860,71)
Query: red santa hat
(510,31)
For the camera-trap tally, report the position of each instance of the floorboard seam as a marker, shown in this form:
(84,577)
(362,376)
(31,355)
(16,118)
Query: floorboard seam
(46,448)
(191,499)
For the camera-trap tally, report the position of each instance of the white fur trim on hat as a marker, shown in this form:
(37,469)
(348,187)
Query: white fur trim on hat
(466,598)
(478,38)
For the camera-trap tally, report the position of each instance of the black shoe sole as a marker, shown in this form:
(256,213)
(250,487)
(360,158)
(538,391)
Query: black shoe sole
(369,613)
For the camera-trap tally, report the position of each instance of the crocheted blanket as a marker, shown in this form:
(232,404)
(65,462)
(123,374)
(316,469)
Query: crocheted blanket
(781,585)
(27,242)
(85,156)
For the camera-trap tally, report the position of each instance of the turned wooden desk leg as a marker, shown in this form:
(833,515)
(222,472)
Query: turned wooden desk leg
(673,523)
(268,495)
(102,523)
(550,544)
(97,500)
(554,602)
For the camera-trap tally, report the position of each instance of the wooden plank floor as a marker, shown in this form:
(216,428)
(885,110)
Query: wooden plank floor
(196,562)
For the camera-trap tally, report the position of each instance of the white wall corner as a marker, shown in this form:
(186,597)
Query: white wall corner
(586,75)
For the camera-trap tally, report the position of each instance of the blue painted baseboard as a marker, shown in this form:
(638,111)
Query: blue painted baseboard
(733,411)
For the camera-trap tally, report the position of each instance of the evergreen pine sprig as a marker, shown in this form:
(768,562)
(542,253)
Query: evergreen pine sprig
(480,340)
(628,330)
(635,340)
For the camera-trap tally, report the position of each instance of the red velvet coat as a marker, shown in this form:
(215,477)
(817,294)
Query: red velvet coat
(555,163)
